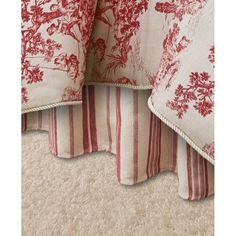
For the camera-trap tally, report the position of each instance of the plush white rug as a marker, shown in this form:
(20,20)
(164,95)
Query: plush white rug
(82,196)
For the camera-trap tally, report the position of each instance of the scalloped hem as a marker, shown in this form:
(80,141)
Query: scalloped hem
(119,121)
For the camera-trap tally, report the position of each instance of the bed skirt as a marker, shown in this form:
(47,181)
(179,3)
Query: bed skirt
(118,120)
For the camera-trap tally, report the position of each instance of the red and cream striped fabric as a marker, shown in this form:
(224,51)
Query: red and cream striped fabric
(119,121)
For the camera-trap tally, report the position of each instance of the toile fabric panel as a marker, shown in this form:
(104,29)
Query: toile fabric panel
(133,77)
(183,94)
(117,120)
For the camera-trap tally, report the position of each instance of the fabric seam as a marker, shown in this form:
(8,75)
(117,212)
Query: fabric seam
(57,104)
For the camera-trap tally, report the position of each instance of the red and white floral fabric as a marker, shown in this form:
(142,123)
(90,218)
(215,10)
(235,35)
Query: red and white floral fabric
(165,47)
(183,94)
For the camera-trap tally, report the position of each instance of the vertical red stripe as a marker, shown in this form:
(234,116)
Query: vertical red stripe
(85,120)
(175,150)
(195,174)
(92,116)
(40,120)
(118,131)
(198,179)
(158,161)
(55,129)
(153,146)
(24,122)
(49,128)
(149,146)
(52,130)
(201,175)
(206,178)
(135,134)
(190,191)
(71,128)
(108,118)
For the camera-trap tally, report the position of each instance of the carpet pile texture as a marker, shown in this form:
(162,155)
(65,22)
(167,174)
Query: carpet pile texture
(82,196)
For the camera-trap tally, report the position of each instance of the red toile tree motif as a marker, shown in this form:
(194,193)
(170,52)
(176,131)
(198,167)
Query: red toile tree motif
(172,46)
(32,74)
(179,8)
(199,91)
(125,25)
(72,18)
(174,43)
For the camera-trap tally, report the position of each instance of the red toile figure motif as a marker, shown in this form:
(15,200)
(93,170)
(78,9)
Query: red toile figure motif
(179,8)
(98,47)
(70,64)
(175,42)
(41,20)
(172,46)
(199,91)
(126,24)
(211,55)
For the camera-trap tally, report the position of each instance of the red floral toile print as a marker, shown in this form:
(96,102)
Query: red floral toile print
(43,19)
(172,46)
(179,8)
(71,94)
(199,91)
(175,41)
(68,63)
(124,25)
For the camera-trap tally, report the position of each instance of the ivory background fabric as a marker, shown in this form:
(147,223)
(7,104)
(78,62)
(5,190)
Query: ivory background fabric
(137,44)
(65,197)
(183,96)
(55,36)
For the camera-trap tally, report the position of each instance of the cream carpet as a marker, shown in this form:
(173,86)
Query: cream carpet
(81,196)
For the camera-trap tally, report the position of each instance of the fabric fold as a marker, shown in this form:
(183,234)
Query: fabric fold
(132,77)
(118,120)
